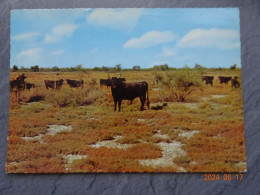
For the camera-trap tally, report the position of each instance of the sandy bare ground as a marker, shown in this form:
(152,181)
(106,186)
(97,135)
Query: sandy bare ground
(52,130)
(170,150)
(187,134)
(70,158)
(112,143)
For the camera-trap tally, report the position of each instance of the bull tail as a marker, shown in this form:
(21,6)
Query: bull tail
(148,102)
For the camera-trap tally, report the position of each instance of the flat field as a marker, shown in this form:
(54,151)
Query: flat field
(76,130)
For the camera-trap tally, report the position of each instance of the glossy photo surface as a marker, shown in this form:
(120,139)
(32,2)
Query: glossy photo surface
(125,90)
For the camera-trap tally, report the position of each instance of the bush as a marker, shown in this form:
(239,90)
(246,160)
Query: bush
(60,98)
(181,84)
(233,67)
(34,95)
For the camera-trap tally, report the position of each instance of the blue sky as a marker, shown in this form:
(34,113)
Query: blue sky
(144,37)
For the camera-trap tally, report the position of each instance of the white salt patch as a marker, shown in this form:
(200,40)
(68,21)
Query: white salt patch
(169,152)
(52,130)
(193,163)
(212,96)
(37,137)
(140,120)
(187,134)
(92,119)
(192,105)
(188,105)
(146,121)
(70,158)
(218,96)
(162,136)
(15,163)
(241,165)
(112,144)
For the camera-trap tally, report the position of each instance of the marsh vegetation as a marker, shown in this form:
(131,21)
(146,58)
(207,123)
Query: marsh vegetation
(200,129)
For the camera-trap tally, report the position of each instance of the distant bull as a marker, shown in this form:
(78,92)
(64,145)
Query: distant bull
(234,82)
(224,79)
(53,84)
(75,83)
(29,85)
(104,82)
(129,91)
(208,79)
(18,83)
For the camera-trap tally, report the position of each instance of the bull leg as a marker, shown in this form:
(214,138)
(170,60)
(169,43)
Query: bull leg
(142,103)
(115,103)
(119,105)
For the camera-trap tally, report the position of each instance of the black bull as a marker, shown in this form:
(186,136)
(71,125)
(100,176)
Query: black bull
(129,91)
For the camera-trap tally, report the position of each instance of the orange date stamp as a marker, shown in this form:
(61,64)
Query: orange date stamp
(225,177)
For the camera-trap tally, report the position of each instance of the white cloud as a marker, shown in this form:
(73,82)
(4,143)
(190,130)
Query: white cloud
(150,39)
(219,38)
(57,52)
(32,53)
(24,36)
(59,32)
(123,19)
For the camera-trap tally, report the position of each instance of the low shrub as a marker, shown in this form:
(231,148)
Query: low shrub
(74,97)
(180,84)
(34,95)
(60,98)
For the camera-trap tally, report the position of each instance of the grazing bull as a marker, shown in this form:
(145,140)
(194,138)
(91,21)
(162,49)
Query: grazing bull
(59,83)
(29,85)
(49,84)
(18,84)
(208,79)
(75,83)
(129,91)
(53,84)
(235,83)
(224,79)
(104,82)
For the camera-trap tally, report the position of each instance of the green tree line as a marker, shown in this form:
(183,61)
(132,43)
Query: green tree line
(116,68)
